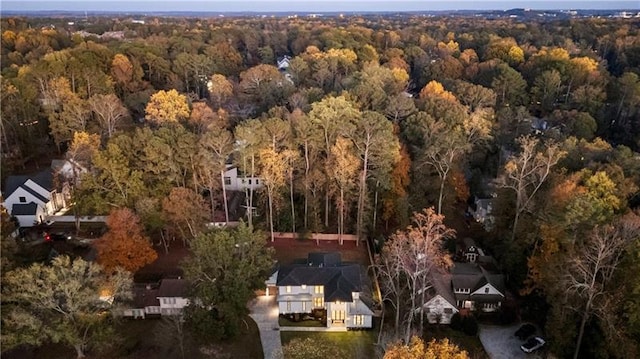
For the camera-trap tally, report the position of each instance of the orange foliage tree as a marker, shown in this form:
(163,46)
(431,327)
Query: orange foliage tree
(124,245)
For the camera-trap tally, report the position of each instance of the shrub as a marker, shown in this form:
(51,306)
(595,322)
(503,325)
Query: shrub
(470,325)
(456,322)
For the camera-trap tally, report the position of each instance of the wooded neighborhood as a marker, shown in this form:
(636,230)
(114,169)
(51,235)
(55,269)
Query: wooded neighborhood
(350,185)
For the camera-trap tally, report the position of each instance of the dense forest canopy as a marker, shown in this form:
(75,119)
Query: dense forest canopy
(371,118)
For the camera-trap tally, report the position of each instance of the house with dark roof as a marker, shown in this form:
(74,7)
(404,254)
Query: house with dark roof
(442,304)
(478,286)
(168,297)
(31,198)
(324,283)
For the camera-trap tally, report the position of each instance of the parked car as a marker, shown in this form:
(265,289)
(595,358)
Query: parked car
(525,331)
(48,237)
(532,344)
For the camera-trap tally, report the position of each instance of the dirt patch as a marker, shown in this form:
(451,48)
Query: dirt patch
(290,250)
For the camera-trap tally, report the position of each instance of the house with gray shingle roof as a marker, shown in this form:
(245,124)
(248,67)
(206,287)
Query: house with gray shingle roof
(477,286)
(31,198)
(324,283)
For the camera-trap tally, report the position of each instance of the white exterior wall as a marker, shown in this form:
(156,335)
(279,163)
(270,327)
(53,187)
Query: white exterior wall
(492,290)
(240,183)
(14,198)
(296,305)
(435,308)
(172,305)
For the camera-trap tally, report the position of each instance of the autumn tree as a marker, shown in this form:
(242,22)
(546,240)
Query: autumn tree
(63,302)
(416,349)
(167,107)
(527,171)
(215,149)
(109,111)
(379,150)
(187,210)
(225,268)
(343,169)
(273,171)
(419,255)
(124,245)
(592,267)
(220,90)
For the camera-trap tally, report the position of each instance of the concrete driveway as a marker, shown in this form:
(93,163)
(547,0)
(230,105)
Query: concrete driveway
(265,313)
(500,342)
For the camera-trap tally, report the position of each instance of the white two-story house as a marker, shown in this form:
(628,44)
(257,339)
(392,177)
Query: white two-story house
(324,283)
(32,198)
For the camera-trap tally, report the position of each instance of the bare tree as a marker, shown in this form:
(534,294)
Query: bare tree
(417,253)
(170,333)
(109,111)
(591,268)
(527,171)
(387,269)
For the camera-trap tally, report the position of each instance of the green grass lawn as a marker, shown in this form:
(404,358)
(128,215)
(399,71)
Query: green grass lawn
(470,343)
(360,343)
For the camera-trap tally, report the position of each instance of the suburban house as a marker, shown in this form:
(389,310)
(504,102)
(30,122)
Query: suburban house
(442,304)
(324,284)
(32,198)
(283,63)
(478,286)
(234,180)
(165,298)
(481,209)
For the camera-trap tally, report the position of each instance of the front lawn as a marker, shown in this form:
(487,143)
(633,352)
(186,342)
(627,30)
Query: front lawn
(360,343)
(470,343)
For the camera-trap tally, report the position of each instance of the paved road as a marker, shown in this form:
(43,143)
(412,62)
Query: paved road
(500,342)
(265,313)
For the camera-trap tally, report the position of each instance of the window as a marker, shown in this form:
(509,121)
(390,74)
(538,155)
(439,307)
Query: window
(319,289)
(249,181)
(448,310)
(358,319)
(257,181)
(486,290)
(227,181)
(318,302)
(288,289)
(304,306)
(23,199)
(288,306)
(304,287)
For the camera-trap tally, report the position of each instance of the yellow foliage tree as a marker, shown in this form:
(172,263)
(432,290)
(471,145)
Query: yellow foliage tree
(166,107)
(435,89)
(417,349)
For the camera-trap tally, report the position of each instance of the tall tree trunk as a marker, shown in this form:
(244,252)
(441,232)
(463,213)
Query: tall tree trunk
(224,197)
(293,209)
(270,195)
(361,196)
(583,322)
(441,193)
(306,186)
(79,350)
(326,208)
(515,225)
(253,168)
(341,219)
(375,207)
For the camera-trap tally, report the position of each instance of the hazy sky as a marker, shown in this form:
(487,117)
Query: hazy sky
(311,5)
